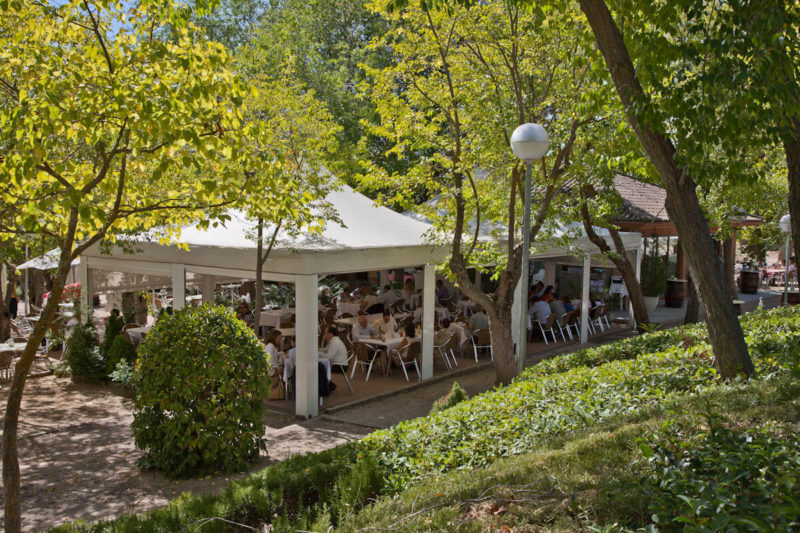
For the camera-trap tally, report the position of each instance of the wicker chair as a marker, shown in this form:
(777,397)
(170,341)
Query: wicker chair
(482,340)
(442,349)
(408,355)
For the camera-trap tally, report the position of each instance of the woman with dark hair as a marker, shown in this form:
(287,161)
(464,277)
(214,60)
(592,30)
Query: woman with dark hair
(273,343)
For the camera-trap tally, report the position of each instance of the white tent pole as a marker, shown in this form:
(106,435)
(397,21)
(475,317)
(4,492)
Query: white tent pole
(27,292)
(307,353)
(428,314)
(178,286)
(585,303)
(86,294)
(638,278)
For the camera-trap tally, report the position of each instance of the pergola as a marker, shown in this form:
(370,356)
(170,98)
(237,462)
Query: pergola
(367,237)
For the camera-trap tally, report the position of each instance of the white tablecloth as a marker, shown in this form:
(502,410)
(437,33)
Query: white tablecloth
(17,347)
(137,334)
(348,307)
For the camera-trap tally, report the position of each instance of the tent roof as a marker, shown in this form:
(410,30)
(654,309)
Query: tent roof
(45,262)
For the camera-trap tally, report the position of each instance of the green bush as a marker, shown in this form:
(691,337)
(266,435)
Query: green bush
(123,374)
(83,354)
(456,395)
(654,275)
(113,328)
(724,480)
(121,350)
(200,381)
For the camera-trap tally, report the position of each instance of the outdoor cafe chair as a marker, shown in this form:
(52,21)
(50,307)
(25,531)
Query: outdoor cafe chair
(132,325)
(407,356)
(20,339)
(563,324)
(482,340)
(6,357)
(363,358)
(548,325)
(330,315)
(441,351)
(601,315)
(453,347)
(344,367)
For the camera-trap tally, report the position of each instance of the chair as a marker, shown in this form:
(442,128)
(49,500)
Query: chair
(441,351)
(563,324)
(399,306)
(343,367)
(132,325)
(548,325)
(453,347)
(347,315)
(20,339)
(330,315)
(602,315)
(408,355)
(5,364)
(404,322)
(374,309)
(363,358)
(482,339)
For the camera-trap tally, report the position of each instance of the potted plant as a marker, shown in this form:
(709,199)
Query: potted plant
(653,280)
(749,277)
(676,292)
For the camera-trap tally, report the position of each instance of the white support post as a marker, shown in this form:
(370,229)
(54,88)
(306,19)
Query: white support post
(428,314)
(638,278)
(86,290)
(178,286)
(520,330)
(207,289)
(307,353)
(585,303)
(383,278)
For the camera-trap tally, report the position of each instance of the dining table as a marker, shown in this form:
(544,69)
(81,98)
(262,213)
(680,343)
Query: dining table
(347,307)
(16,347)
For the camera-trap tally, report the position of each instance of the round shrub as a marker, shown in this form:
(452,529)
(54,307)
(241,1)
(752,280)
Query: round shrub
(201,379)
(83,354)
(121,350)
(113,328)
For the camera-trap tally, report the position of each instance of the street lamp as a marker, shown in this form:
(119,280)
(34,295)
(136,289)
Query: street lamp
(529,142)
(786,227)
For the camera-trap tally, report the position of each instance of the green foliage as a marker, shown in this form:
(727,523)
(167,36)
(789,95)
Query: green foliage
(654,275)
(83,354)
(121,350)
(456,395)
(543,404)
(114,326)
(724,479)
(123,374)
(205,412)
(293,494)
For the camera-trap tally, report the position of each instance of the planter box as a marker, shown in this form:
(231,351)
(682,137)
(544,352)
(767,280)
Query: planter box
(651,302)
(676,292)
(749,281)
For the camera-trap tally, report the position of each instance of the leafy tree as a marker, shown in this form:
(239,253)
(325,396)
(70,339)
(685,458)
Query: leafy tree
(106,129)
(232,22)
(460,82)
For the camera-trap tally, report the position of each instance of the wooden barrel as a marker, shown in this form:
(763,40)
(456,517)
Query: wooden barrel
(750,282)
(676,292)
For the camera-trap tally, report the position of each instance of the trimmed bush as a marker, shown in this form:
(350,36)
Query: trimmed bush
(121,350)
(200,381)
(654,275)
(83,354)
(456,395)
(113,328)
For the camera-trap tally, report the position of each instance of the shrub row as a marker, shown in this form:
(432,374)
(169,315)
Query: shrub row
(552,399)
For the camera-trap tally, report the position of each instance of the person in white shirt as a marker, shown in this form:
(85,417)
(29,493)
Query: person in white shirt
(408,292)
(540,310)
(557,306)
(385,325)
(418,315)
(334,349)
(362,329)
(389,297)
(369,299)
(273,343)
(478,320)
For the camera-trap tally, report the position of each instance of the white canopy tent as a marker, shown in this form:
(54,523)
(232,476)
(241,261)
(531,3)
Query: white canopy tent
(367,237)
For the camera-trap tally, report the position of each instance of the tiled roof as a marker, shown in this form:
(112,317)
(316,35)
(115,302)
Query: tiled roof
(641,202)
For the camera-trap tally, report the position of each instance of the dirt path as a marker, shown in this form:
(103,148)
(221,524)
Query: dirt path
(78,460)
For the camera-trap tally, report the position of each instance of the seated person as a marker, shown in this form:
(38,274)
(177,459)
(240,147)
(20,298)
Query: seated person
(538,289)
(359,292)
(362,328)
(389,297)
(418,315)
(408,291)
(410,335)
(369,299)
(447,329)
(557,306)
(334,349)
(478,320)
(243,313)
(441,291)
(568,307)
(273,344)
(385,325)
(540,310)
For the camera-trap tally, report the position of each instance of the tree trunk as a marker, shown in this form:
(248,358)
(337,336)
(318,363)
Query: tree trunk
(725,331)
(11,475)
(505,360)
(792,148)
(692,303)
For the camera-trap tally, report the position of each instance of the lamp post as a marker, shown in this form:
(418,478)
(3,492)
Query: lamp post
(529,142)
(786,226)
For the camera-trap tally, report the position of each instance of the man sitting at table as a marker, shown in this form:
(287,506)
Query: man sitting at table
(557,306)
(478,320)
(334,349)
(444,333)
(441,291)
(540,310)
(369,299)
(385,325)
(362,328)
(389,297)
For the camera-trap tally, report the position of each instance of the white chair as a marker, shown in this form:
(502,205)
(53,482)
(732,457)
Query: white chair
(441,350)
(367,361)
(548,325)
(563,324)
(481,340)
(343,367)
(407,356)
